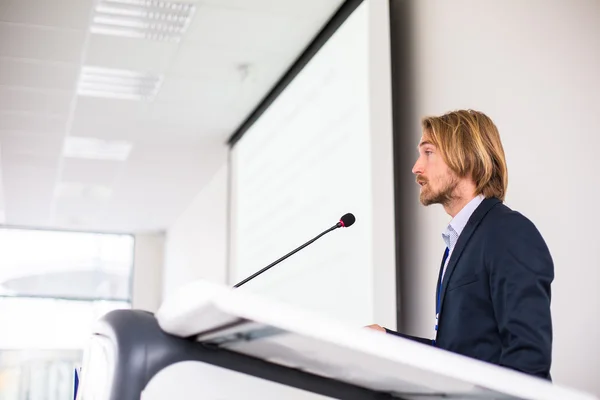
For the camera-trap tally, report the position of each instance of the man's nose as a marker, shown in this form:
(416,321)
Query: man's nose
(417,168)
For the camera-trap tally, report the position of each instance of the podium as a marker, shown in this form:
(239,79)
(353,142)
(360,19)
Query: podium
(211,342)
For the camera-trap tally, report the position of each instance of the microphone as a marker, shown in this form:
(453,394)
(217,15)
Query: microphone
(346,221)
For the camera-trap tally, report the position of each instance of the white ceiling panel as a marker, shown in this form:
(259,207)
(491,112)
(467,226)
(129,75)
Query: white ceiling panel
(236,29)
(29,122)
(82,223)
(41,43)
(80,212)
(71,197)
(304,8)
(66,14)
(146,131)
(200,61)
(103,108)
(158,184)
(38,161)
(99,172)
(51,103)
(21,143)
(28,188)
(105,128)
(196,92)
(156,131)
(200,118)
(154,175)
(130,54)
(170,153)
(37,75)
(261,79)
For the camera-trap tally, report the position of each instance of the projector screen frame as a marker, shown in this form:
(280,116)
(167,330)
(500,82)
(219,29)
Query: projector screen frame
(385,191)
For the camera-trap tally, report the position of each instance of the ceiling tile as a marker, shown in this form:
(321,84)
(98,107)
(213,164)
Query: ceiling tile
(196,60)
(14,160)
(64,217)
(60,13)
(30,207)
(158,183)
(131,54)
(200,92)
(228,69)
(41,43)
(39,102)
(203,120)
(171,153)
(237,29)
(31,144)
(146,131)
(28,122)
(103,128)
(98,172)
(99,108)
(294,8)
(192,67)
(79,212)
(40,75)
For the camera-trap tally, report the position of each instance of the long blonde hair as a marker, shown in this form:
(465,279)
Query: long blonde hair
(470,144)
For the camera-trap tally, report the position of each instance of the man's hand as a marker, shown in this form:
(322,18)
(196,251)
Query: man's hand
(376,327)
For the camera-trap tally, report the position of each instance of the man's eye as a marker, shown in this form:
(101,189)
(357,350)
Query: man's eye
(428,152)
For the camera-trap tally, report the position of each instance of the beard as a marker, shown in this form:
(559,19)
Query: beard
(443,196)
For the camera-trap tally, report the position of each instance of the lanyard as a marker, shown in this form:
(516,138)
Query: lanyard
(439,291)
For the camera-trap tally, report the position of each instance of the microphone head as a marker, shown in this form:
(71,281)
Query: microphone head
(347,220)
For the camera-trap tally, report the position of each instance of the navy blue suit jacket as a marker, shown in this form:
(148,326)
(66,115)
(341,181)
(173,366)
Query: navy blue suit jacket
(495,298)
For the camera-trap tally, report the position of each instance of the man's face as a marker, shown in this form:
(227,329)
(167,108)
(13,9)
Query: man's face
(438,183)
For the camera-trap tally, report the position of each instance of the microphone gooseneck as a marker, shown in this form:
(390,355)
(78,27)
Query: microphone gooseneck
(346,221)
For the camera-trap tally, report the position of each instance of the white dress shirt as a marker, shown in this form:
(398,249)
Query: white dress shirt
(456,226)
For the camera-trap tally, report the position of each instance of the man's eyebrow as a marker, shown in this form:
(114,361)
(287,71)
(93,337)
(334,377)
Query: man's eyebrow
(424,143)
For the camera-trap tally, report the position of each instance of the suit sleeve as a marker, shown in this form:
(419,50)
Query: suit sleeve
(520,272)
(415,338)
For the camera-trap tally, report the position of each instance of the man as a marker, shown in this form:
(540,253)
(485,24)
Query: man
(493,291)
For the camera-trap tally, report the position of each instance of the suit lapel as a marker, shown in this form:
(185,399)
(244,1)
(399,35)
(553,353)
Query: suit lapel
(463,239)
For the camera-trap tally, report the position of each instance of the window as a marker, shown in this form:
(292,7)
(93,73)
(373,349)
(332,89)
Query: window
(72,265)
(53,287)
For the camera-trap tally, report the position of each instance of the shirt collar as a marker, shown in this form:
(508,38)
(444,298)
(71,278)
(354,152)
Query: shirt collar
(458,223)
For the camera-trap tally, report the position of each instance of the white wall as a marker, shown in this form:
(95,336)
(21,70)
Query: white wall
(533,67)
(196,244)
(382,164)
(147,271)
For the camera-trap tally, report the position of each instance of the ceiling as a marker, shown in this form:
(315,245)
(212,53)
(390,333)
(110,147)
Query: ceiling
(229,57)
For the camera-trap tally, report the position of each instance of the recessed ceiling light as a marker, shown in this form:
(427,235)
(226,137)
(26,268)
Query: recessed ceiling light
(142,19)
(96,149)
(118,83)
